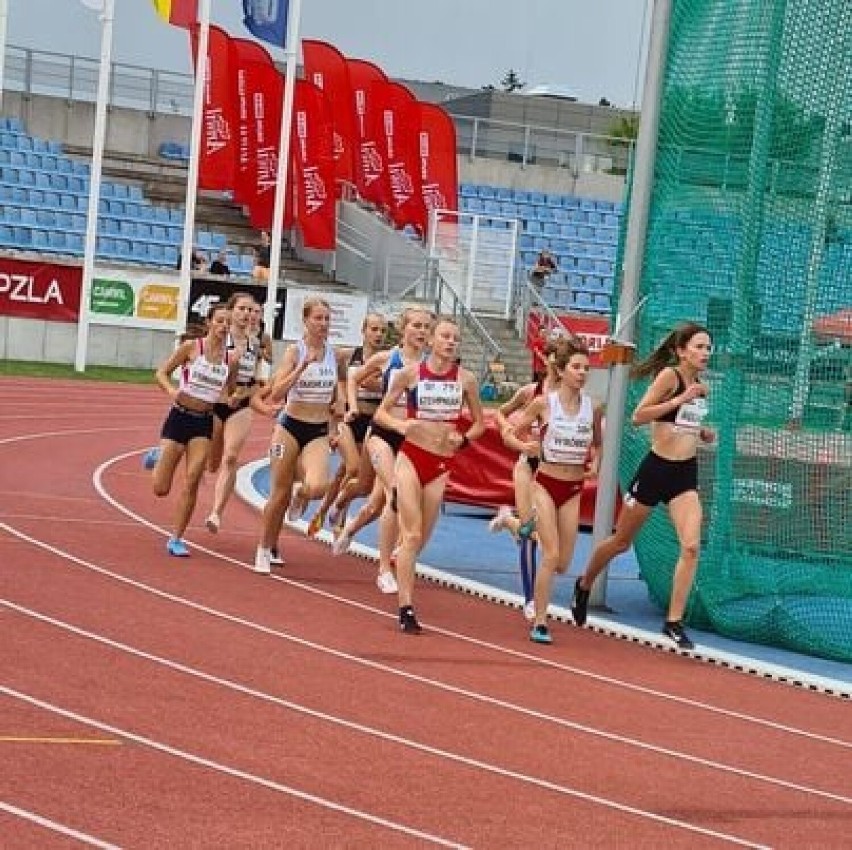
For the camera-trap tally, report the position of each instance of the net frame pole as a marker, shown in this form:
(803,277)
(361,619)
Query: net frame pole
(637,226)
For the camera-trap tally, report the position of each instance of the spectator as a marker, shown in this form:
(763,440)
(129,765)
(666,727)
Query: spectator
(198,262)
(261,262)
(220,265)
(544,266)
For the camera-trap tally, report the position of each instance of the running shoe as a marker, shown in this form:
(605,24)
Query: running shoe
(263,561)
(316,524)
(500,522)
(386,582)
(298,504)
(529,611)
(213,522)
(580,604)
(673,630)
(341,544)
(408,622)
(540,634)
(150,458)
(275,557)
(177,548)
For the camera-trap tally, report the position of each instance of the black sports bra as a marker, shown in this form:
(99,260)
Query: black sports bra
(672,415)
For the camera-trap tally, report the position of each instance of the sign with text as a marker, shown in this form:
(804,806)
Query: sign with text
(347,315)
(135,299)
(204,292)
(40,290)
(593,330)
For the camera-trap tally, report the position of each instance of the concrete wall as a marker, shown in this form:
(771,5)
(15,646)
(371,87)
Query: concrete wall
(73,122)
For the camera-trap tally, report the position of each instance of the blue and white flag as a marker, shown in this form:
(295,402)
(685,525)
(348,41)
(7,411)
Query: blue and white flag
(267,20)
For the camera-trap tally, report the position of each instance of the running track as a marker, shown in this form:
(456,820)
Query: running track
(147,702)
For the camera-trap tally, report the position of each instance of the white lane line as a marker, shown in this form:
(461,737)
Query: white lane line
(230,771)
(476,696)
(483,644)
(53,826)
(76,432)
(371,731)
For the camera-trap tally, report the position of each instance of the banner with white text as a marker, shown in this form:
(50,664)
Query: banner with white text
(45,291)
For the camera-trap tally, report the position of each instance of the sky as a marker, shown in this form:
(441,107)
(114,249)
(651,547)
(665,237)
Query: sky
(592,48)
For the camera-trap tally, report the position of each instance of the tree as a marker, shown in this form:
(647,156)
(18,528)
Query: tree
(511,82)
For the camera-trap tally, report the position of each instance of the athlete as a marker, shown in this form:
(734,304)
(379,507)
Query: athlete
(570,426)
(675,405)
(207,377)
(436,391)
(232,421)
(307,377)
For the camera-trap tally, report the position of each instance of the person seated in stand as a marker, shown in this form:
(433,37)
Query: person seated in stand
(220,265)
(262,254)
(197,263)
(544,266)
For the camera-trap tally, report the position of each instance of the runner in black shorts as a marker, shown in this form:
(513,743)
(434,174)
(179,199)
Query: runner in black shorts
(675,405)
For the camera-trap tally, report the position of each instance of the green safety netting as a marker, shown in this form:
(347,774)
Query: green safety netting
(750,232)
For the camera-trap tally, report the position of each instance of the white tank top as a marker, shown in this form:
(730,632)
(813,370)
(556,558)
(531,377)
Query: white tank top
(567,438)
(317,383)
(247,365)
(202,380)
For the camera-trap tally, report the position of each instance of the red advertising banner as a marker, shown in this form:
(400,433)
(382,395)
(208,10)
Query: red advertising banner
(40,290)
(244,55)
(397,120)
(482,475)
(593,330)
(325,66)
(265,88)
(369,163)
(218,159)
(438,159)
(313,151)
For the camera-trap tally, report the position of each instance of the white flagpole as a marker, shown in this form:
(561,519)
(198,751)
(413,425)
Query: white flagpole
(4,17)
(291,52)
(95,185)
(194,161)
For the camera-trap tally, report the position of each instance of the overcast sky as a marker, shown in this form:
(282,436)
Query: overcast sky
(589,47)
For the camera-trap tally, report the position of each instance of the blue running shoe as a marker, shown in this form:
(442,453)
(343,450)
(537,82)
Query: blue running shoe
(177,548)
(540,634)
(150,458)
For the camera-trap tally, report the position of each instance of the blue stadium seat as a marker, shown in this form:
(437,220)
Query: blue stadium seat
(56,240)
(128,228)
(7,235)
(39,239)
(135,194)
(171,255)
(76,243)
(105,246)
(63,165)
(45,218)
(467,190)
(157,253)
(220,241)
(23,236)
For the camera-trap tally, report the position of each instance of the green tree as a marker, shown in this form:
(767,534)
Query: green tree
(512,81)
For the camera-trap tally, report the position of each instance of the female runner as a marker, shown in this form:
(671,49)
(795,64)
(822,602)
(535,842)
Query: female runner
(437,390)
(207,375)
(570,428)
(307,377)
(675,405)
(383,443)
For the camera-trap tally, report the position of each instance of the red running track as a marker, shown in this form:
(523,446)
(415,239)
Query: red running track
(151,702)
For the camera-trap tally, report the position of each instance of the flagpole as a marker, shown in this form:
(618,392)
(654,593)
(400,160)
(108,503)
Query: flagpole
(4,18)
(94,185)
(291,52)
(194,161)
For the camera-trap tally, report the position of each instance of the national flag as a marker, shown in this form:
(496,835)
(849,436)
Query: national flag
(267,20)
(179,13)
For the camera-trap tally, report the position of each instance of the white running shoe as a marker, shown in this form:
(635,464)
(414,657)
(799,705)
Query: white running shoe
(501,519)
(262,561)
(213,522)
(529,611)
(275,557)
(298,504)
(386,582)
(341,544)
